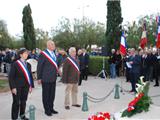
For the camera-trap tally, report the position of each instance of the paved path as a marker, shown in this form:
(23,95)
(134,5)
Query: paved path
(95,87)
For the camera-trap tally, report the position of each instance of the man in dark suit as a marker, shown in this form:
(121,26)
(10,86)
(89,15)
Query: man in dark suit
(47,74)
(135,70)
(85,62)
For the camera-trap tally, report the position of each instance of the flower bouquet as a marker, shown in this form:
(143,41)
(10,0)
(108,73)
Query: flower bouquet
(141,102)
(100,116)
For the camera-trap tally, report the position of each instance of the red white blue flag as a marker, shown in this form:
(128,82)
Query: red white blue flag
(25,72)
(50,58)
(74,64)
(123,45)
(143,41)
(158,35)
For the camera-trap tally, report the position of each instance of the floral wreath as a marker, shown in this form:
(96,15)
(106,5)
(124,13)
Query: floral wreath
(141,102)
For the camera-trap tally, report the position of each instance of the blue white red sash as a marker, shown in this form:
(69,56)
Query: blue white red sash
(74,64)
(51,59)
(25,72)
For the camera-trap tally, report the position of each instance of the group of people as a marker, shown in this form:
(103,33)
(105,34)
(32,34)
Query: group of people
(142,63)
(136,63)
(73,68)
(8,56)
(21,79)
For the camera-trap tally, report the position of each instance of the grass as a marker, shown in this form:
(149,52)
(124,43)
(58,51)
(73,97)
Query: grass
(4,85)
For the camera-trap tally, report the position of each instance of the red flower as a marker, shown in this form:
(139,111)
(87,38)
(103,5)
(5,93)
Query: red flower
(140,95)
(106,115)
(101,118)
(100,113)
(136,99)
(130,108)
(132,103)
(94,117)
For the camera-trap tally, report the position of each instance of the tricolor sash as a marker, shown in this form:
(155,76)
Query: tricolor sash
(25,72)
(74,64)
(50,58)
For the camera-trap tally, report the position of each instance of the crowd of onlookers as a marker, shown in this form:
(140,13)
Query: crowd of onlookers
(148,66)
(72,66)
(134,64)
(8,56)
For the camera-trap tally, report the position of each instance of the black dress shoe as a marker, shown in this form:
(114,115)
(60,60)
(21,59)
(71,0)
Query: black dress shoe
(156,85)
(24,118)
(67,107)
(54,112)
(131,91)
(48,113)
(76,105)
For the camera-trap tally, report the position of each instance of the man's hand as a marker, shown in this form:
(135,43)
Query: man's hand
(30,89)
(60,73)
(131,62)
(39,82)
(14,91)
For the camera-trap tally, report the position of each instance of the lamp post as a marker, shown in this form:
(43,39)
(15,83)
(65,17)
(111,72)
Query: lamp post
(83,17)
(83,11)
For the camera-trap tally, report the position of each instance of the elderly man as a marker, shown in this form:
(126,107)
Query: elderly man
(70,77)
(47,74)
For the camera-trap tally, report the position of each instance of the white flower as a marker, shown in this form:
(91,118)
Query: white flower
(141,78)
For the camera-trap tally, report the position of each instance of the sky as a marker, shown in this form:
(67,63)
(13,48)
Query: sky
(47,13)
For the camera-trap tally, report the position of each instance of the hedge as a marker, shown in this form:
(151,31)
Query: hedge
(96,64)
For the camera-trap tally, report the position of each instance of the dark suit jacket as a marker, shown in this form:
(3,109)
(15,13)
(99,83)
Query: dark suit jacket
(70,75)
(16,76)
(86,59)
(137,62)
(45,70)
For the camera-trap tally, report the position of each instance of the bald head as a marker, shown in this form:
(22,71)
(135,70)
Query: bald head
(51,45)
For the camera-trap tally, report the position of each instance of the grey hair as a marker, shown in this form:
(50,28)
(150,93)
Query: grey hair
(71,49)
(50,42)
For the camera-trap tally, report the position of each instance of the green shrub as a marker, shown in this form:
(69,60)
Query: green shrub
(96,64)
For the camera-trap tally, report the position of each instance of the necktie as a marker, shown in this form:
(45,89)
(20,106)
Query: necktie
(25,63)
(53,55)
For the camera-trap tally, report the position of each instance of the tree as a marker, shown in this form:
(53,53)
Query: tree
(5,39)
(28,29)
(133,35)
(90,32)
(41,38)
(80,33)
(62,34)
(114,20)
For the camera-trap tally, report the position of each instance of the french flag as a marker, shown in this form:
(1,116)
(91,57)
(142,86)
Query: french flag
(143,41)
(158,35)
(123,45)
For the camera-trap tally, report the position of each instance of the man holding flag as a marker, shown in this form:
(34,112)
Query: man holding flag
(143,40)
